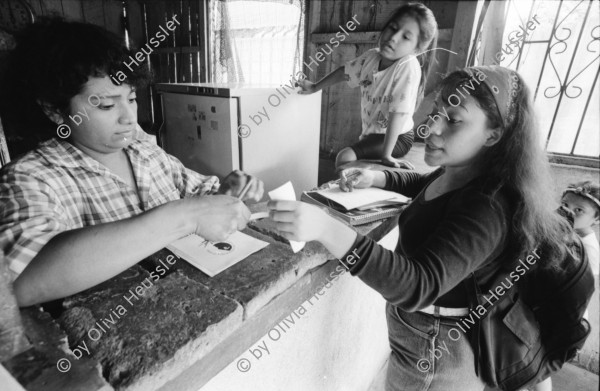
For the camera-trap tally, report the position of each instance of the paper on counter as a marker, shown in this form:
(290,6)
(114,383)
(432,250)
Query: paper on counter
(286,192)
(214,257)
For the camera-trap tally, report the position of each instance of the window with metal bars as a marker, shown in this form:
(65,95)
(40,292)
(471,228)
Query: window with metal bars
(559,60)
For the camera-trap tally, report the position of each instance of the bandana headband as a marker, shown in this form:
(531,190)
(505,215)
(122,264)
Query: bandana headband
(580,191)
(504,84)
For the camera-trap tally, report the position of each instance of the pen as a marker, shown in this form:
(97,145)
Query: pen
(348,177)
(244,191)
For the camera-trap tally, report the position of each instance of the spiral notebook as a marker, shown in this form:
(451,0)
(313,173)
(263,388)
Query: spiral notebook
(357,216)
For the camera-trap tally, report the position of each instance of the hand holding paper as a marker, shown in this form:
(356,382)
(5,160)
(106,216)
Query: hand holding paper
(297,220)
(286,193)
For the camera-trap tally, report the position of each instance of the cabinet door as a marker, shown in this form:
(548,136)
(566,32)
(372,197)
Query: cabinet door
(283,141)
(201,131)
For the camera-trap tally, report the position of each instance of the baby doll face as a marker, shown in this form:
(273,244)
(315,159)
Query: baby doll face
(459,135)
(107,116)
(399,38)
(585,211)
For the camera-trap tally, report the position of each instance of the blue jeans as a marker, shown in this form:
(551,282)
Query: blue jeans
(427,355)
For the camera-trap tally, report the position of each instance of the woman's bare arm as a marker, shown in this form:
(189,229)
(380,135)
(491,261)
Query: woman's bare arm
(82,258)
(334,77)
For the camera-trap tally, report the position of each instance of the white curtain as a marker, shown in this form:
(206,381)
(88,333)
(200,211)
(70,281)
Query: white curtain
(256,41)
(490,29)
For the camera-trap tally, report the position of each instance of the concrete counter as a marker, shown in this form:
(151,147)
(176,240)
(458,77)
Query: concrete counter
(138,332)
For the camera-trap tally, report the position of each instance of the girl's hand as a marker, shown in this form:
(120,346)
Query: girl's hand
(356,178)
(299,221)
(392,162)
(234,184)
(307,87)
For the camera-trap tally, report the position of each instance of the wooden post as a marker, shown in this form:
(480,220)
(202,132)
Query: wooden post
(464,24)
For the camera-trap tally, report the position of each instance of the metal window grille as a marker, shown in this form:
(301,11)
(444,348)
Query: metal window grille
(560,62)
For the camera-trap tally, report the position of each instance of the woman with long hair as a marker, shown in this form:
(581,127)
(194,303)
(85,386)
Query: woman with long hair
(486,205)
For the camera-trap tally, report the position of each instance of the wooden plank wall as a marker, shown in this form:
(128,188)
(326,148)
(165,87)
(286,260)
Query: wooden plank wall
(180,58)
(340,114)
(183,56)
(105,13)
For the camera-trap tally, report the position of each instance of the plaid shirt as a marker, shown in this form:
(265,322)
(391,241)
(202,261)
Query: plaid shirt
(57,188)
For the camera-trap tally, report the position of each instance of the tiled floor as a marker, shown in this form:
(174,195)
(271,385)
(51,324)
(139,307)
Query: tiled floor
(569,378)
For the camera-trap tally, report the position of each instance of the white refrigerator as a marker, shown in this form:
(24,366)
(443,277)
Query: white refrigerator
(271,132)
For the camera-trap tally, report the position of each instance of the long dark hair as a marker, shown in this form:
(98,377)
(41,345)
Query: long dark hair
(428,34)
(518,167)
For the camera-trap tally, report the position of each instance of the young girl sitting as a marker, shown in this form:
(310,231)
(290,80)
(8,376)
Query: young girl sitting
(485,206)
(392,84)
(96,197)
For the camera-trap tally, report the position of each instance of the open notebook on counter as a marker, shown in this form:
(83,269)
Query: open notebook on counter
(360,206)
(214,257)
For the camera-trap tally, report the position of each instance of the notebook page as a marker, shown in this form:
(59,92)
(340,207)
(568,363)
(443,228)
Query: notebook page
(360,197)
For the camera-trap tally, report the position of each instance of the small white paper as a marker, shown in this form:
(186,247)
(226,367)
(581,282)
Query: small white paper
(214,257)
(286,192)
(259,215)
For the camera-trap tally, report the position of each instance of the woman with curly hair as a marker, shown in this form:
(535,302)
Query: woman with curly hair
(95,196)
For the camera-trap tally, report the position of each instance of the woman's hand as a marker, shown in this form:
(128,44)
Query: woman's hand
(216,217)
(307,87)
(296,220)
(356,178)
(234,184)
(299,221)
(392,162)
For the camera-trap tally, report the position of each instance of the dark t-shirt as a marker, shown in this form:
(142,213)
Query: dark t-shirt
(442,241)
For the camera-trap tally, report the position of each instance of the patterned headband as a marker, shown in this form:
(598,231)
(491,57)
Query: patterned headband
(580,191)
(504,84)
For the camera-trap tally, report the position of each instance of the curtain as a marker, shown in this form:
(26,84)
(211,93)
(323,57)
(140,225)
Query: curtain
(490,29)
(256,41)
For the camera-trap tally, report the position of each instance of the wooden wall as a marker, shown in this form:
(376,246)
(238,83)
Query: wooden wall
(105,13)
(180,58)
(340,114)
(183,56)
